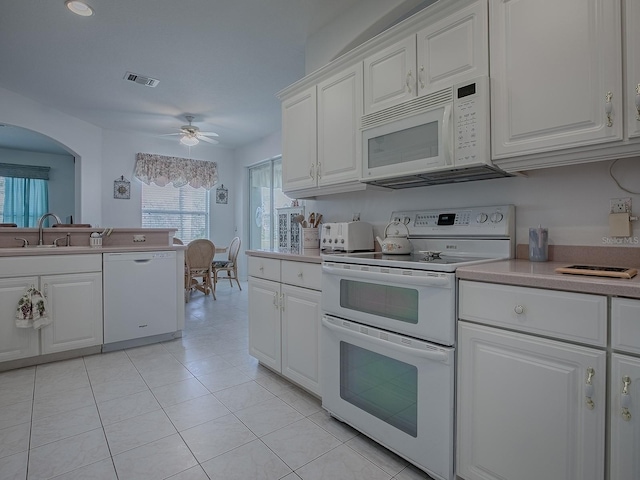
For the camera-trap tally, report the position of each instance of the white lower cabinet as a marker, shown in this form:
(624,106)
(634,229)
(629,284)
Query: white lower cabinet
(75,305)
(284,318)
(15,342)
(530,407)
(73,291)
(624,388)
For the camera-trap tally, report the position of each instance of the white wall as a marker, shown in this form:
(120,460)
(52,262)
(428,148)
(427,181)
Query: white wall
(61,177)
(81,139)
(119,151)
(573,201)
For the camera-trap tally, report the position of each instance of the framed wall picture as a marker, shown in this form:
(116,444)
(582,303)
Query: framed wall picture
(122,188)
(222,194)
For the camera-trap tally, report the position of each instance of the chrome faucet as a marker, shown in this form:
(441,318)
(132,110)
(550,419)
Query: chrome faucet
(41,221)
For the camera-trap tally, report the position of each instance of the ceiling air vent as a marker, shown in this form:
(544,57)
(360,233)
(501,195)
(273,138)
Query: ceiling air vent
(141,79)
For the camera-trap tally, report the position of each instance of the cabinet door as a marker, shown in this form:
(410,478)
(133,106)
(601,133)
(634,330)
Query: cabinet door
(632,36)
(625,424)
(553,65)
(15,342)
(454,49)
(390,76)
(300,336)
(339,137)
(75,304)
(264,322)
(299,147)
(523,407)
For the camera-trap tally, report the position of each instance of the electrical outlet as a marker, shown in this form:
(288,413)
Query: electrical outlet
(139,238)
(356,217)
(620,205)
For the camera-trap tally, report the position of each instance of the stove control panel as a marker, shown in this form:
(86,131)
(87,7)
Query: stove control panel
(494,221)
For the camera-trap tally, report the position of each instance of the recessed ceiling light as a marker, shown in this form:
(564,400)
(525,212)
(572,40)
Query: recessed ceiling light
(79,8)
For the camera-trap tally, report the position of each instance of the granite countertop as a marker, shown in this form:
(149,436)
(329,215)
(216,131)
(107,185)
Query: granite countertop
(312,256)
(543,275)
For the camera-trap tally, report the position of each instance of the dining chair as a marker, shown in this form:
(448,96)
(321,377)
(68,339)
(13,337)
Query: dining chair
(230,265)
(199,272)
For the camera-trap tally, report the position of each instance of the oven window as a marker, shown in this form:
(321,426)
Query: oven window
(382,386)
(404,146)
(397,303)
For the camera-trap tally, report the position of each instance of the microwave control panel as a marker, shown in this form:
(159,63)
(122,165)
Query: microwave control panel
(471,121)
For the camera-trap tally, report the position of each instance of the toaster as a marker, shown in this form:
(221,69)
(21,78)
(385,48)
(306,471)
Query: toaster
(346,236)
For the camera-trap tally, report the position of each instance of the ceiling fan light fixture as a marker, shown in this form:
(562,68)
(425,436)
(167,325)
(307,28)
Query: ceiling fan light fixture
(189,141)
(79,8)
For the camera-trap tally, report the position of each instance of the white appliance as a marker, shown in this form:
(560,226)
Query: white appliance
(150,280)
(442,137)
(346,236)
(388,332)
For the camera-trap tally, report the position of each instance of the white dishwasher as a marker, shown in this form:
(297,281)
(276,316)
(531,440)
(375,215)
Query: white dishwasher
(140,295)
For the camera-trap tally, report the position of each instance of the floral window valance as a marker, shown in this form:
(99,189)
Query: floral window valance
(163,170)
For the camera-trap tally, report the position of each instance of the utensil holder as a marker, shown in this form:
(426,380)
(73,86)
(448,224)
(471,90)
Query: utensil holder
(95,240)
(310,238)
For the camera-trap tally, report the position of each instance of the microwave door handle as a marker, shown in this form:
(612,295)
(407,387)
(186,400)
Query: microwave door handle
(436,356)
(446,135)
(389,277)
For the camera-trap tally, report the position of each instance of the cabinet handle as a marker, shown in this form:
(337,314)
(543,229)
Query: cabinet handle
(638,102)
(261,268)
(45,290)
(420,76)
(588,390)
(519,309)
(275,300)
(311,172)
(608,109)
(409,81)
(282,302)
(625,398)
(318,170)
(300,275)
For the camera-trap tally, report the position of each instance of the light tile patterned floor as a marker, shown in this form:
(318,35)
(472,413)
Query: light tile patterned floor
(195,408)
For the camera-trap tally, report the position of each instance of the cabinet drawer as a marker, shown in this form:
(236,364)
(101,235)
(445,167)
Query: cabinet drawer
(572,316)
(625,325)
(264,268)
(301,274)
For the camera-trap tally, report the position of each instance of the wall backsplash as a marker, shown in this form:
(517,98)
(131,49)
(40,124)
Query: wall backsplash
(573,201)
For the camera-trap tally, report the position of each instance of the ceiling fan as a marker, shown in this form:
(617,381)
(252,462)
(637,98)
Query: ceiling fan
(191,135)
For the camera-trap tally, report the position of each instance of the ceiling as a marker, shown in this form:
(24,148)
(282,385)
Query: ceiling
(221,61)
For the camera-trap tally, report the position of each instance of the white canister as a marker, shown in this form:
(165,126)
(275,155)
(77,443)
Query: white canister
(95,240)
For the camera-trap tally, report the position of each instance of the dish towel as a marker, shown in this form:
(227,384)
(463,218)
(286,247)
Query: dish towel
(32,310)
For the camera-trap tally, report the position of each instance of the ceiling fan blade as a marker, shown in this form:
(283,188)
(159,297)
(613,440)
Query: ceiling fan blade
(209,134)
(208,140)
(169,134)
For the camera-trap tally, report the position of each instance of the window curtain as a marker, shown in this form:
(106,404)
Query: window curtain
(25,201)
(163,170)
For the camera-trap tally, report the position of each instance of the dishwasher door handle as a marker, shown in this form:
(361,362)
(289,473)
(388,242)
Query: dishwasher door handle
(145,260)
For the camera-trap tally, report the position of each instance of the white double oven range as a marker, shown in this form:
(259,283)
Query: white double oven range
(388,333)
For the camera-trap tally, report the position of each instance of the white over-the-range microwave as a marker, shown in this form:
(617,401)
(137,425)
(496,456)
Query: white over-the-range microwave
(441,137)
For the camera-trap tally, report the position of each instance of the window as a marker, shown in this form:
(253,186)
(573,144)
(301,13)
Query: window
(185,208)
(265,196)
(23,200)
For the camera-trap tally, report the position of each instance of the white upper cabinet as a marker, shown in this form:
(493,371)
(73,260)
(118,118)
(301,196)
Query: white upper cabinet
(632,35)
(450,50)
(299,157)
(556,70)
(339,112)
(390,76)
(455,49)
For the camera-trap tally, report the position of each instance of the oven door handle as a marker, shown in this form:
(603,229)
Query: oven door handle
(416,280)
(437,356)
